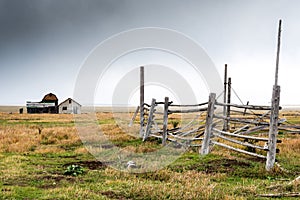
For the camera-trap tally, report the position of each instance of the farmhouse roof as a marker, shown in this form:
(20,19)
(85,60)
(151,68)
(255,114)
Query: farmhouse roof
(68,100)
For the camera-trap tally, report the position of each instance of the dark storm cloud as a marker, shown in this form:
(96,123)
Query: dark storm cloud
(47,36)
(30,17)
(49,29)
(40,39)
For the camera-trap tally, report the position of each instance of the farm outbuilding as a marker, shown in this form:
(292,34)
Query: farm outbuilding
(49,104)
(69,106)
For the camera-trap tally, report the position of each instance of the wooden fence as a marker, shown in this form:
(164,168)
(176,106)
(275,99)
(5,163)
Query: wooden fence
(241,139)
(232,128)
(156,123)
(242,123)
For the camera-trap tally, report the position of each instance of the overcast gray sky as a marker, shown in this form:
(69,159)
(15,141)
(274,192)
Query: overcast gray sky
(43,43)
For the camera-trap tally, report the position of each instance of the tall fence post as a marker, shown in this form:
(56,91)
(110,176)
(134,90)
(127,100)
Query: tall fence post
(227,125)
(209,124)
(271,155)
(142,96)
(224,97)
(165,123)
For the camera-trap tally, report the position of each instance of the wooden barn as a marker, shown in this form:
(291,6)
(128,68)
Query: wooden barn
(69,106)
(49,104)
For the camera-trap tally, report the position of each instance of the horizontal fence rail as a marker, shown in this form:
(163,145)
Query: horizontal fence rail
(187,111)
(250,107)
(241,120)
(241,136)
(241,143)
(238,150)
(189,105)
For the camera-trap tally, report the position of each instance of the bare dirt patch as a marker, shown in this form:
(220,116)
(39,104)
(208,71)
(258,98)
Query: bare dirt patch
(92,165)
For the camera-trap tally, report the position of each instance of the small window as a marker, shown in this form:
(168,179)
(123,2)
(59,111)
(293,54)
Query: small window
(70,101)
(64,108)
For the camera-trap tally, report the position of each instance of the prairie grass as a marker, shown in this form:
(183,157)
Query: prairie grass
(19,138)
(22,138)
(36,149)
(176,185)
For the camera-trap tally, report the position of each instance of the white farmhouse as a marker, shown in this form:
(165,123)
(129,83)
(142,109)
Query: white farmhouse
(69,106)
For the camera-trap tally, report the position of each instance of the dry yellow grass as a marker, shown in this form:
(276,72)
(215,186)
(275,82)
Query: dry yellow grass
(290,147)
(37,117)
(30,132)
(185,185)
(21,138)
(18,138)
(50,132)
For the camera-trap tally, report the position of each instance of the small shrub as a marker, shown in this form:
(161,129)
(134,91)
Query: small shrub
(175,123)
(74,170)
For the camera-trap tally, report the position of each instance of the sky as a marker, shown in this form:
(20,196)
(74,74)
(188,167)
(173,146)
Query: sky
(44,44)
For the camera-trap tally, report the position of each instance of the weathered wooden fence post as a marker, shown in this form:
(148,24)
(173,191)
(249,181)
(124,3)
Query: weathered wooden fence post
(224,97)
(150,119)
(278,52)
(271,155)
(208,124)
(165,123)
(227,125)
(134,116)
(142,97)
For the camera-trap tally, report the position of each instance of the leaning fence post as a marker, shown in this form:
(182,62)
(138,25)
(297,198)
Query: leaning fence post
(150,119)
(165,125)
(208,125)
(271,155)
(134,116)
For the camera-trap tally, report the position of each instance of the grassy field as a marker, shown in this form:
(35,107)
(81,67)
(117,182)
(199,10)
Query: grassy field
(37,152)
